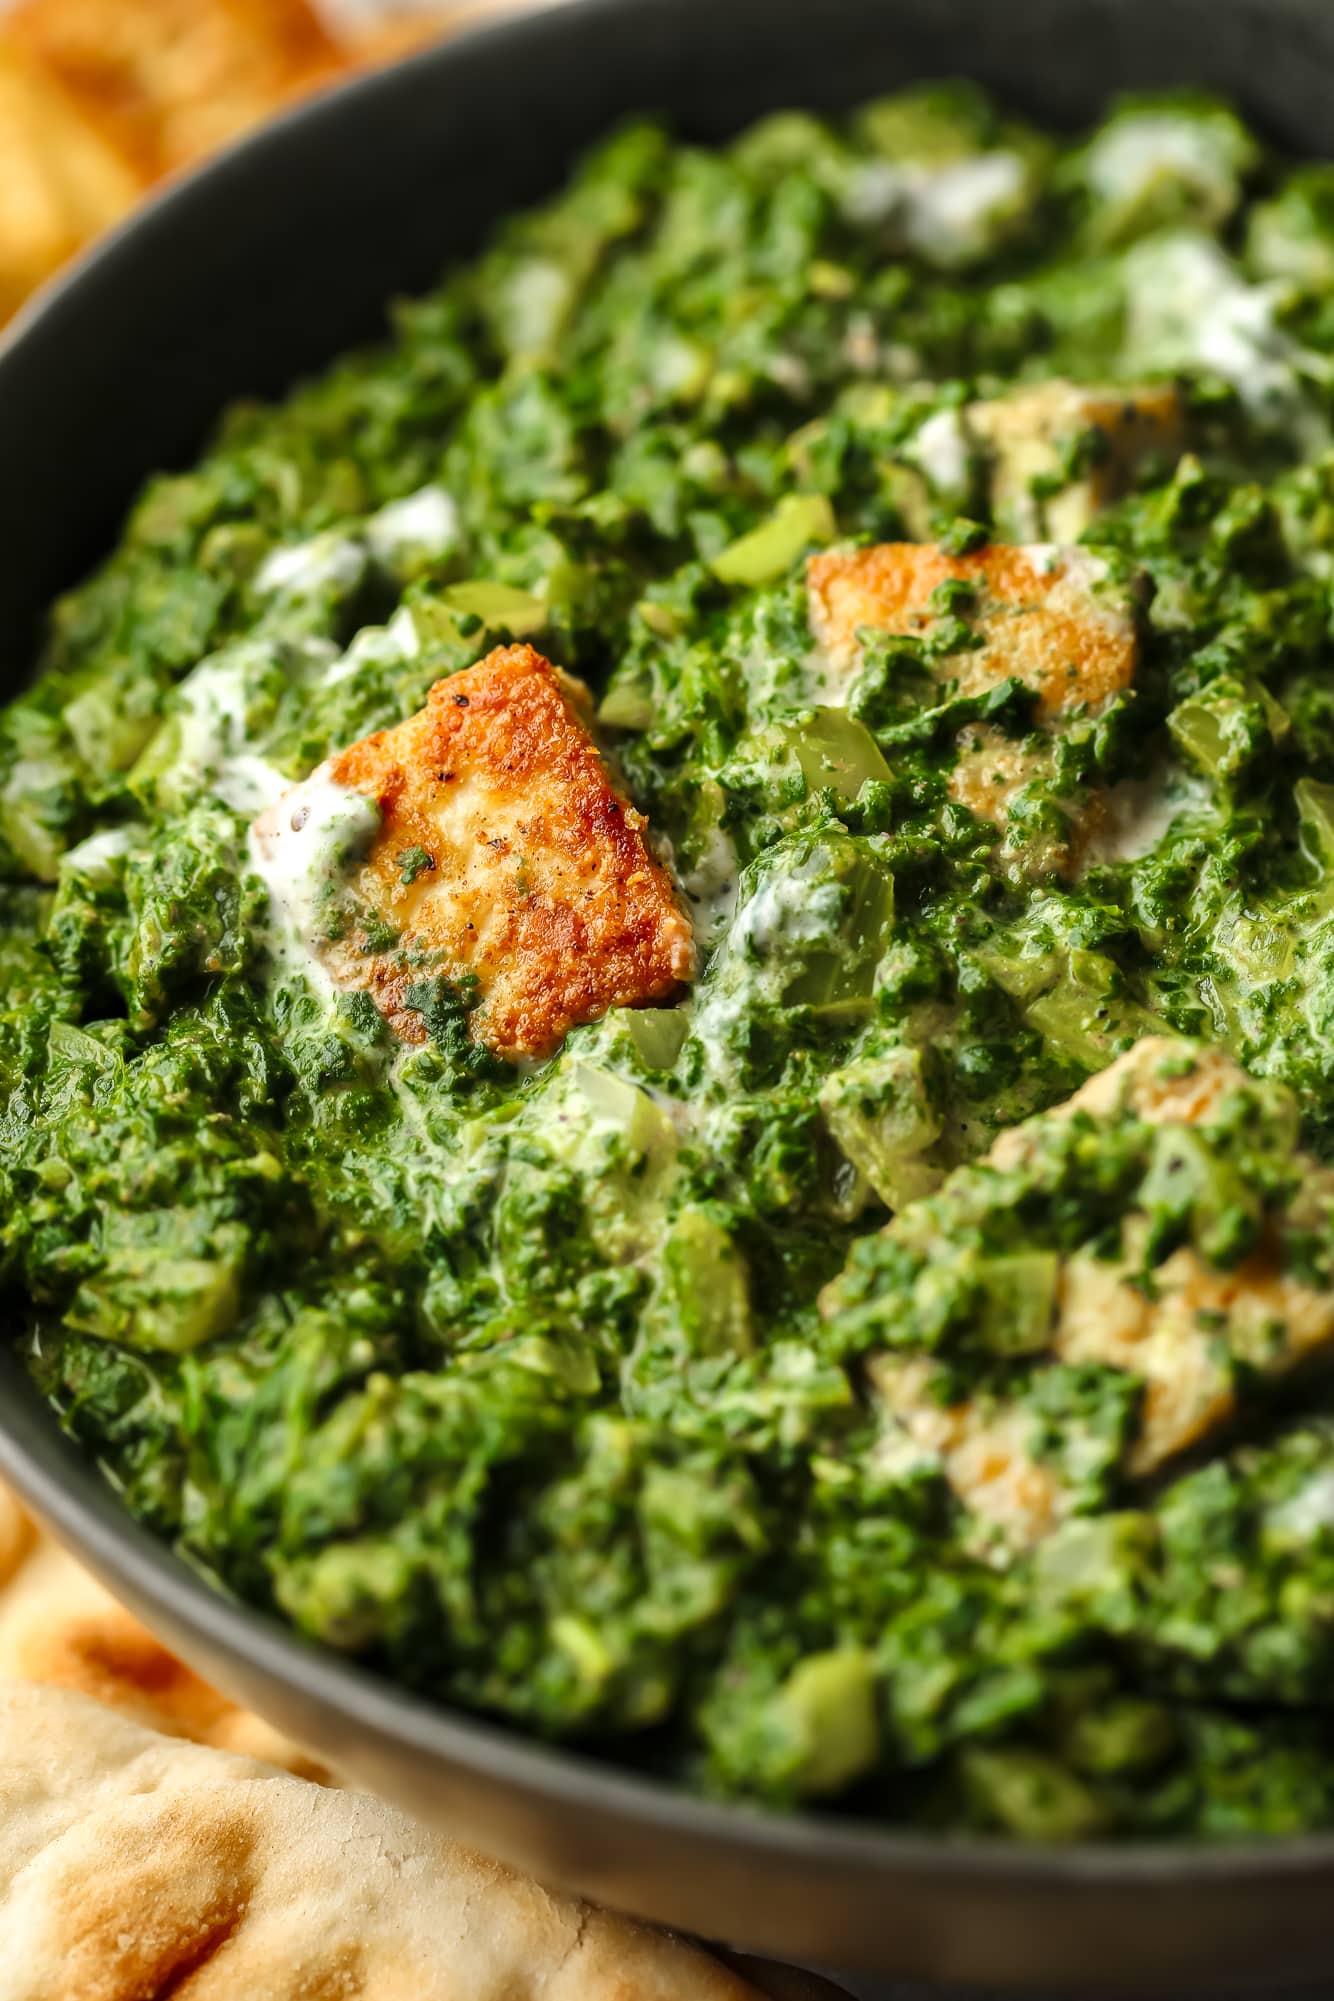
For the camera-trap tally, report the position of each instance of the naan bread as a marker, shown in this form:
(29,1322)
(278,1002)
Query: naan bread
(100,98)
(128,1856)
(58,1625)
(60,182)
(164,82)
(133,1867)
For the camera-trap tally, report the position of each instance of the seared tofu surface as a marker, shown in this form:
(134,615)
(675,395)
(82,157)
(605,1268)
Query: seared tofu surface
(1193,1334)
(1271,1320)
(1145,1082)
(507,858)
(1050,617)
(1045,615)
(1059,453)
(991,777)
(986,1448)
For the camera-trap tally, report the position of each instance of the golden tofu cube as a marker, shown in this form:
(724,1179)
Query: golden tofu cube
(1170,1341)
(1048,616)
(986,1451)
(502,855)
(1102,436)
(992,771)
(1177,1341)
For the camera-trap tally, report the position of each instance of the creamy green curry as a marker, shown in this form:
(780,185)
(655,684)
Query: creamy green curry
(668,1011)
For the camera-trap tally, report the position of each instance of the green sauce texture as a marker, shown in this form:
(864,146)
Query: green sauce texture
(707,1394)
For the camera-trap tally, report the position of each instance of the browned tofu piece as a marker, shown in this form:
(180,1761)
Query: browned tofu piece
(505,855)
(1103,1315)
(1049,616)
(991,773)
(60,183)
(987,1447)
(1029,436)
(1169,1340)
(987,1451)
(166,81)
(1046,615)
(1143,1081)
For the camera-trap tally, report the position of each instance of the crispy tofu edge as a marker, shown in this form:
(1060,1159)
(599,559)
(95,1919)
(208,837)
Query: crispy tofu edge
(1022,433)
(1039,615)
(1102,644)
(511,714)
(1102,1317)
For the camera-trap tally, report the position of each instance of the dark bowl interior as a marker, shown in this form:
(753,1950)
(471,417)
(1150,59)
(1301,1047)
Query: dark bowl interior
(267,264)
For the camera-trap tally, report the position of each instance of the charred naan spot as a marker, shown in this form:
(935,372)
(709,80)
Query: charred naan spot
(173,1891)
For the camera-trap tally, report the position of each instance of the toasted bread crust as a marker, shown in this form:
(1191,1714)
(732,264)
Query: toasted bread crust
(60,182)
(536,881)
(166,81)
(135,1866)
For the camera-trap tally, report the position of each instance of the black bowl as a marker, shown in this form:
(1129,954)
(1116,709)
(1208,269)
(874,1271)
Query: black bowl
(268,263)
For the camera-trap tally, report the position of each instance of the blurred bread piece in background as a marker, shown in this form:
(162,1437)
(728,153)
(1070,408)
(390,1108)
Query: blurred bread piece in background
(17,1536)
(100,99)
(380,34)
(61,183)
(59,1627)
(121,1844)
(165,82)
(133,1867)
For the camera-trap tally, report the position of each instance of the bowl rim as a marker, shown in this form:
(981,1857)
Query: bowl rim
(68,1490)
